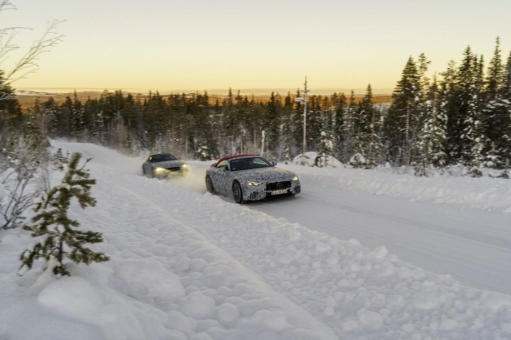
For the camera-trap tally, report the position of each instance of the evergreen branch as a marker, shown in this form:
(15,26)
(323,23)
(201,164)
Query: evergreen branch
(63,241)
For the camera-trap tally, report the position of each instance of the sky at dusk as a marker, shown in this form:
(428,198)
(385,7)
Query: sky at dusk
(198,45)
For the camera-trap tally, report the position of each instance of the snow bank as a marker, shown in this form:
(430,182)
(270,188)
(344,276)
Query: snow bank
(492,194)
(189,265)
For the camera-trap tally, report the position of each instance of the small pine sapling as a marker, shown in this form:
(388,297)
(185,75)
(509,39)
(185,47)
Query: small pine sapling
(58,233)
(358,161)
(505,173)
(322,159)
(59,160)
(287,155)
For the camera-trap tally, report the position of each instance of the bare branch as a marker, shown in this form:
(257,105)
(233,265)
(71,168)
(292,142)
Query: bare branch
(9,32)
(28,63)
(7,46)
(5,5)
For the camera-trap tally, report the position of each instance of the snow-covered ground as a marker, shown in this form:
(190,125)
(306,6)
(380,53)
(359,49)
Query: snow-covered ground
(358,255)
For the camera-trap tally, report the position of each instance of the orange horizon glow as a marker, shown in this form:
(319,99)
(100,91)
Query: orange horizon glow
(175,46)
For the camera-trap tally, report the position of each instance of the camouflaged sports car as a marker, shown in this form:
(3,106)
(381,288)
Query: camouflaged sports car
(163,165)
(250,178)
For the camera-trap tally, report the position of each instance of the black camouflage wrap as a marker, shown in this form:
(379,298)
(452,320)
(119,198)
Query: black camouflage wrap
(272,181)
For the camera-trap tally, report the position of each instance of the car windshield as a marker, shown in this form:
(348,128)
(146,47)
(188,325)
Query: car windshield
(163,158)
(249,163)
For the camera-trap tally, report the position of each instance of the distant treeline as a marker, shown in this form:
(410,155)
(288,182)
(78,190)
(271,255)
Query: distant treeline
(463,116)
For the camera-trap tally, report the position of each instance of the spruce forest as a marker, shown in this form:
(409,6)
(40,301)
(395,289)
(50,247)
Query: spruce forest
(461,116)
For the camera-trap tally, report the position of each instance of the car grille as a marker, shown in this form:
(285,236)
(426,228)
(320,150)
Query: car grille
(174,169)
(278,185)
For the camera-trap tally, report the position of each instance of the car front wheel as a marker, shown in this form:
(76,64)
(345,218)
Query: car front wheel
(237,193)
(209,185)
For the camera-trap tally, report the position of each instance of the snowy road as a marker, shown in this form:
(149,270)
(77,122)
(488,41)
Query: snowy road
(469,243)
(473,246)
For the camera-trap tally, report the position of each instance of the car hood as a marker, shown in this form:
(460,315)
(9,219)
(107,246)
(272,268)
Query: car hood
(168,164)
(265,174)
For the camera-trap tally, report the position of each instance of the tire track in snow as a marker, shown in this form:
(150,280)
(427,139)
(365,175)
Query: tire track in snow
(219,247)
(445,258)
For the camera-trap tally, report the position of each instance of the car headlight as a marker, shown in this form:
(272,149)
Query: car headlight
(294,179)
(184,167)
(159,169)
(253,184)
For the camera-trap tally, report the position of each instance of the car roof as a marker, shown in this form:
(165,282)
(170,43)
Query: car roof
(226,158)
(161,154)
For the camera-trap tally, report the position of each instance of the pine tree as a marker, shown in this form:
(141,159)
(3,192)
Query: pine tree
(505,173)
(207,147)
(339,102)
(324,158)
(314,122)
(473,156)
(297,121)
(492,158)
(287,154)
(496,115)
(66,123)
(230,122)
(35,137)
(78,125)
(402,121)
(9,105)
(59,159)
(430,142)
(449,106)
(472,137)
(506,98)
(423,64)
(367,140)
(271,123)
(358,161)
(375,145)
(58,235)
(287,128)
(506,88)
(495,75)
(50,114)
(348,130)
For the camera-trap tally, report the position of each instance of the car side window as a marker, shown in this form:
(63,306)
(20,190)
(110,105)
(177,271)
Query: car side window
(259,162)
(222,164)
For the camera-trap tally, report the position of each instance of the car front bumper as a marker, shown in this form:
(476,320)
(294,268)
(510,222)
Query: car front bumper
(166,173)
(265,190)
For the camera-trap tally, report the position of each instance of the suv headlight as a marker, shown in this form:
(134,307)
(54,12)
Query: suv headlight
(184,167)
(253,183)
(294,179)
(159,169)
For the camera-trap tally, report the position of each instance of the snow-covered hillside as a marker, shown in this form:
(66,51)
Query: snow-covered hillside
(186,264)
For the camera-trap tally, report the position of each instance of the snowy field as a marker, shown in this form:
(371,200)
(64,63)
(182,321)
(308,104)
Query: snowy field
(358,255)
